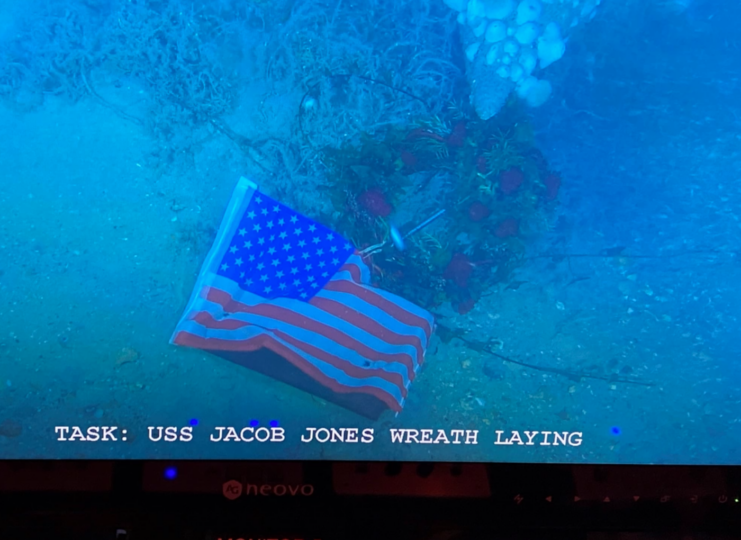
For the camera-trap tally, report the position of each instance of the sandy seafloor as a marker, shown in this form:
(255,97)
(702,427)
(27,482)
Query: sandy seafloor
(99,248)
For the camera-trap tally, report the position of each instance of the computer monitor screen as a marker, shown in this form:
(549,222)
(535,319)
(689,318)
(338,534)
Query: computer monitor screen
(454,230)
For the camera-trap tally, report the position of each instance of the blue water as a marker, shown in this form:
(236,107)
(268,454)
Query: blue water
(126,124)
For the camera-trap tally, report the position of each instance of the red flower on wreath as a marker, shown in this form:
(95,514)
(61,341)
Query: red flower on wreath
(511,180)
(374,202)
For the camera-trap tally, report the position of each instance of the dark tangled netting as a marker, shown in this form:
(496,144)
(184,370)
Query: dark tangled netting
(169,50)
(189,59)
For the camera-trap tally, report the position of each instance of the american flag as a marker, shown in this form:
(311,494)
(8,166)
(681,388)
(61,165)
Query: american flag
(275,279)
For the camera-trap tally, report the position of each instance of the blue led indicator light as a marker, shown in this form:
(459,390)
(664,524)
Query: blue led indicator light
(254,423)
(273,423)
(171,473)
(615,430)
(194,421)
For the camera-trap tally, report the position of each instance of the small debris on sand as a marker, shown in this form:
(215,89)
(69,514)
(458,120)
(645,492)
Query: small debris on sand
(127,355)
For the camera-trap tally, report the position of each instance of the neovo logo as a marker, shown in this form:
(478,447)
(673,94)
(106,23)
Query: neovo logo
(234,489)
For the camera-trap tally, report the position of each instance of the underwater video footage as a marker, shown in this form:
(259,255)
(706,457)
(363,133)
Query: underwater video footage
(436,230)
